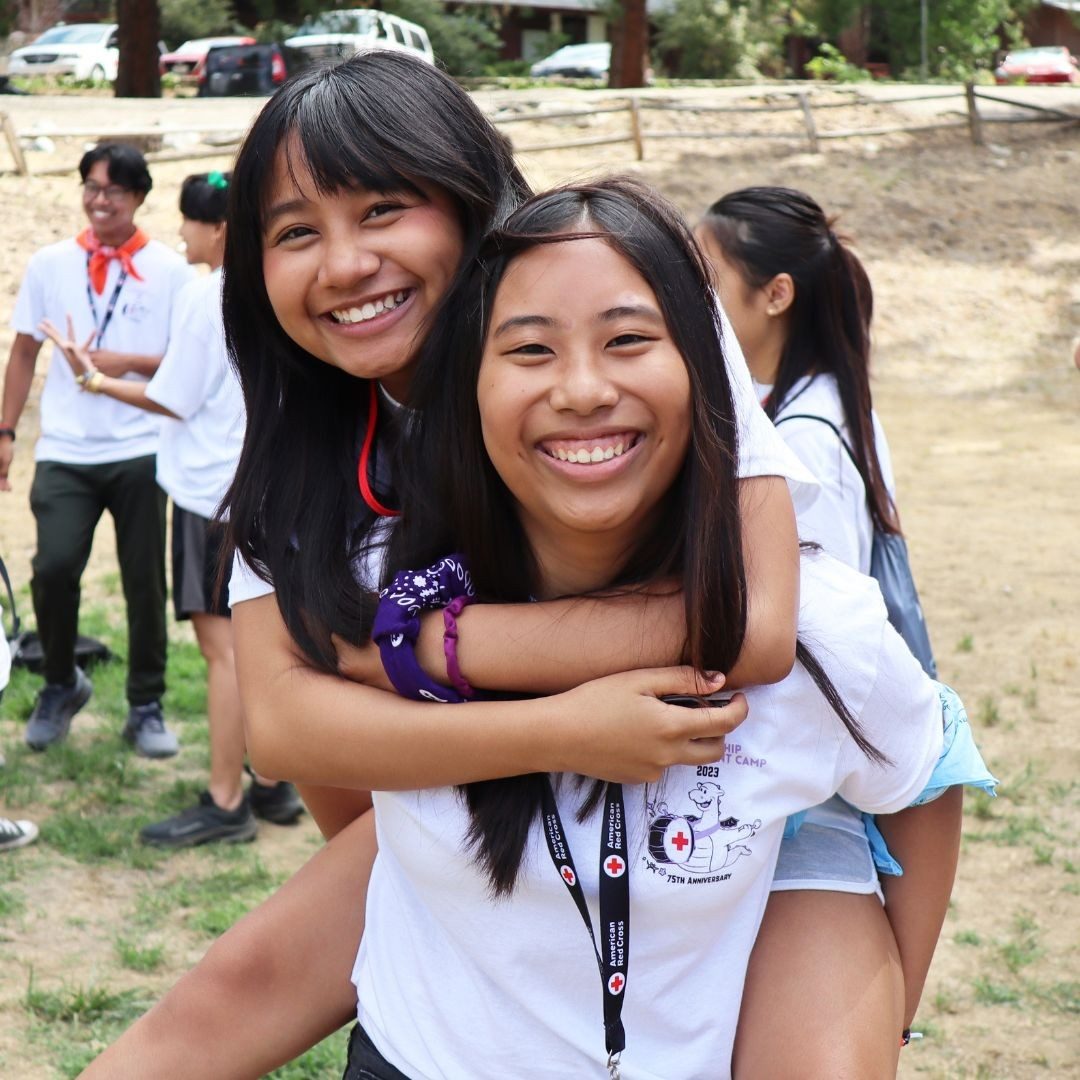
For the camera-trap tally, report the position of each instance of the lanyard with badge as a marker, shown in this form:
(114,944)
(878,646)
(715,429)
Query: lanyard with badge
(613,949)
(110,307)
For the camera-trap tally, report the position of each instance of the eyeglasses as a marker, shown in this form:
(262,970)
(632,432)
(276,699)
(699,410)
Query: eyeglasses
(113,192)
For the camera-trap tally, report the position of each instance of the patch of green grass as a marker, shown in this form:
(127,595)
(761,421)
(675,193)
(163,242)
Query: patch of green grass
(1069,867)
(1044,856)
(215,901)
(326,1059)
(1062,996)
(990,993)
(967,937)
(137,957)
(98,836)
(966,643)
(83,1004)
(980,805)
(944,1002)
(11,903)
(185,677)
(989,715)
(76,1022)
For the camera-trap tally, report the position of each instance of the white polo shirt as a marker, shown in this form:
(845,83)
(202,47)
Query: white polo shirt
(197,454)
(86,429)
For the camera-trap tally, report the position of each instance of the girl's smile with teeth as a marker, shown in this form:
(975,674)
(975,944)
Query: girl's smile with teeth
(590,451)
(371,308)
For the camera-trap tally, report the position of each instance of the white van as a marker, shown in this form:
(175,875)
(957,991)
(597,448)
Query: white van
(338,34)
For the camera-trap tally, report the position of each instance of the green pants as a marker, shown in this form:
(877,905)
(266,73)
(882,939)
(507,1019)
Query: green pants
(68,501)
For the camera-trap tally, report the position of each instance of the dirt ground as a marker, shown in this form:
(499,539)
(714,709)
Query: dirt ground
(975,258)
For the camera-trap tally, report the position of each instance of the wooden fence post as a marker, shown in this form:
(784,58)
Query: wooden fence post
(13,144)
(974,123)
(808,120)
(635,129)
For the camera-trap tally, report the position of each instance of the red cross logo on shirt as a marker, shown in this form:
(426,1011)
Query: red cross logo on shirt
(568,875)
(615,867)
(616,983)
(679,841)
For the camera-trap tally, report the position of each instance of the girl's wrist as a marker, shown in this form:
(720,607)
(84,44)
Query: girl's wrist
(430,654)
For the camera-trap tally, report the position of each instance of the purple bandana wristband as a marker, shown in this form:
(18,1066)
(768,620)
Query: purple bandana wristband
(397,625)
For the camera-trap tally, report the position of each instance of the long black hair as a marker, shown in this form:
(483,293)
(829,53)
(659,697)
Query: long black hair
(765,231)
(381,121)
(455,500)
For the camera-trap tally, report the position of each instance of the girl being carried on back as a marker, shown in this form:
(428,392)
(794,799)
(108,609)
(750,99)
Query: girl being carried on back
(801,304)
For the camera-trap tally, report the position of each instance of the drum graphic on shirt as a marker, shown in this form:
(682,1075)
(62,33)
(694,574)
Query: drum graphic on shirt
(671,839)
(703,842)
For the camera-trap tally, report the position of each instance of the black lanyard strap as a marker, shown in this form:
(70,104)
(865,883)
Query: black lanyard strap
(110,307)
(613,949)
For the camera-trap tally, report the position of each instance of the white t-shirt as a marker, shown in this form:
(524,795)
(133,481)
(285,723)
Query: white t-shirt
(197,454)
(453,985)
(761,453)
(836,515)
(79,428)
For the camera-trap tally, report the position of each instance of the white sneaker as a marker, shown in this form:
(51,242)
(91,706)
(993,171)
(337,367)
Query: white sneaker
(15,834)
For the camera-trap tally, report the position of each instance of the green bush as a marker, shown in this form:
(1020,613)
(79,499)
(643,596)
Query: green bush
(182,20)
(464,43)
(830,63)
(717,39)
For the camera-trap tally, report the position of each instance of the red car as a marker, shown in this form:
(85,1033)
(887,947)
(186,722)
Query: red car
(1047,64)
(188,60)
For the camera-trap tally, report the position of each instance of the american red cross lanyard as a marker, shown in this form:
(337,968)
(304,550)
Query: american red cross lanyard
(613,950)
(99,330)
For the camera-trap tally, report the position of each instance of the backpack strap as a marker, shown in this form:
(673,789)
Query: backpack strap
(828,423)
(15,623)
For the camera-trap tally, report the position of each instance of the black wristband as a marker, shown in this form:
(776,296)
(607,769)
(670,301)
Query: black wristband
(8,431)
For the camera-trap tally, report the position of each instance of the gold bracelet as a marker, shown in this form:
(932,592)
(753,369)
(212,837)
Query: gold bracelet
(95,382)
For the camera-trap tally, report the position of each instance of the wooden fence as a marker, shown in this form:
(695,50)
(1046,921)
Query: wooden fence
(800,102)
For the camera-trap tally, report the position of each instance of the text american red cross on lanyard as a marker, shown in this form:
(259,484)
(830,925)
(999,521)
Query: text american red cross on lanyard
(613,949)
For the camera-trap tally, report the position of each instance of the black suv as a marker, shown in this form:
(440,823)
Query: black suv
(232,70)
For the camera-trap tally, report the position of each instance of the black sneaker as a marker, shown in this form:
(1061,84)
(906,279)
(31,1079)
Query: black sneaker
(206,823)
(53,711)
(145,729)
(279,803)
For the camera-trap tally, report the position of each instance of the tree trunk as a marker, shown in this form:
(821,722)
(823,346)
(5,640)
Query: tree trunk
(629,46)
(140,29)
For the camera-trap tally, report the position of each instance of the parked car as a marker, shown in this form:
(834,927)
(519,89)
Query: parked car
(1047,64)
(589,61)
(187,60)
(234,70)
(82,50)
(338,34)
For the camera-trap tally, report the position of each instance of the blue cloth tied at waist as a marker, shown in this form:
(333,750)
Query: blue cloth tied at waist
(960,763)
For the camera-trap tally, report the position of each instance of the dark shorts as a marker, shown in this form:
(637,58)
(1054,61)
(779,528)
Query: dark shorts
(365,1062)
(196,552)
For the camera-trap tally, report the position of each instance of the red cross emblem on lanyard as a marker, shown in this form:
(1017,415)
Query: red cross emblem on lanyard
(616,983)
(568,875)
(614,867)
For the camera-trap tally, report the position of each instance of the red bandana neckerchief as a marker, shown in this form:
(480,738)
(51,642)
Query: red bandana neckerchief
(101,255)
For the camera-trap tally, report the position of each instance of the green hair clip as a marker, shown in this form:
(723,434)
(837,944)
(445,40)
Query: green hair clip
(217,180)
